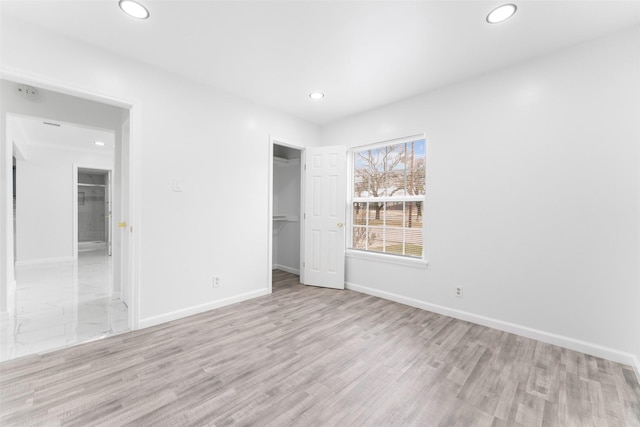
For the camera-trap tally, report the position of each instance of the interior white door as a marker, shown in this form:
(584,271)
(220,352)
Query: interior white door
(324,216)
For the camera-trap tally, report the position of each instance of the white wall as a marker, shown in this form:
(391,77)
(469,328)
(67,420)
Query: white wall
(44,195)
(532,197)
(216,143)
(286,201)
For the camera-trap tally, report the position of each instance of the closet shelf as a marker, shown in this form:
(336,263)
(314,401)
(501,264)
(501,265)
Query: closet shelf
(287,218)
(282,161)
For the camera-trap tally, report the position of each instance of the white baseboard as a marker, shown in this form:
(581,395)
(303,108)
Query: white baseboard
(196,309)
(44,261)
(10,308)
(547,337)
(636,365)
(287,269)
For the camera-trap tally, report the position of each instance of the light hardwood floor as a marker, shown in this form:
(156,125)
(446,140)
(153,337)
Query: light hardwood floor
(307,356)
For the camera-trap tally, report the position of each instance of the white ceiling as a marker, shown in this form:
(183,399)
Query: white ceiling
(362,54)
(68,136)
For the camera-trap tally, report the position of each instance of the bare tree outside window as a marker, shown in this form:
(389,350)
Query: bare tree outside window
(388,196)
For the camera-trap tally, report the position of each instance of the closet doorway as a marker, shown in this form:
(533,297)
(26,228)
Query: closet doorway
(286,203)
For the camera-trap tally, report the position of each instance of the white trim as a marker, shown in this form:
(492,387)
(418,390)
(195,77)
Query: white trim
(393,141)
(132,151)
(7,222)
(287,269)
(270,215)
(385,257)
(373,199)
(12,288)
(546,337)
(44,261)
(201,308)
(636,366)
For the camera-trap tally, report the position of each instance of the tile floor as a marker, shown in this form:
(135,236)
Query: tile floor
(58,305)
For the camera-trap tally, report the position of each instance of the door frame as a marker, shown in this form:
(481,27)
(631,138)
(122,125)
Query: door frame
(108,201)
(279,141)
(132,151)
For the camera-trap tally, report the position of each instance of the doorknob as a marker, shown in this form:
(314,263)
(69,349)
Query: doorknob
(122,224)
(340,225)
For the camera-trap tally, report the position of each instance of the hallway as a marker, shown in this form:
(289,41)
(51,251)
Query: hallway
(58,305)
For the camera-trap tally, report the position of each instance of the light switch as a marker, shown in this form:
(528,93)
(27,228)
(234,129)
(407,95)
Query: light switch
(177,185)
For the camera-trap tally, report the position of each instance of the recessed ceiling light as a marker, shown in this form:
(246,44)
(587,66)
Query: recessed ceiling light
(501,13)
(316,95)
(134,9)
(99,143)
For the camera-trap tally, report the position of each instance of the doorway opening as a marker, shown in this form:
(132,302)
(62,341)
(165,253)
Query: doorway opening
(286,195)
(93,209)
(307,214)
(71,177)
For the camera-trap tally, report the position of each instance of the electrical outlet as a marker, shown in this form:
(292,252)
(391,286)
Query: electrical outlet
(459,292)
(216,281)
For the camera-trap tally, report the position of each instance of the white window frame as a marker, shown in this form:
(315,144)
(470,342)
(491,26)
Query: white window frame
(381,256)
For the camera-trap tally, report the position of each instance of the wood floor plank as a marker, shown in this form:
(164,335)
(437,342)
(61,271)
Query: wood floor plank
(306,356)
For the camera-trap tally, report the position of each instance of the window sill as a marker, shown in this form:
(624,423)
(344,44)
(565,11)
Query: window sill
(392,259)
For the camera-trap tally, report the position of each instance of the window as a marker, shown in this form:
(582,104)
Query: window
(387,198)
